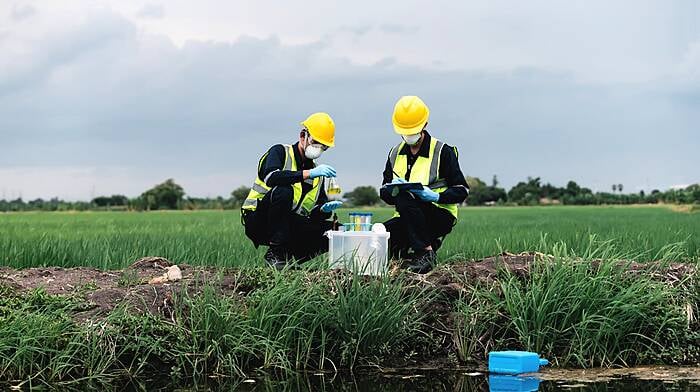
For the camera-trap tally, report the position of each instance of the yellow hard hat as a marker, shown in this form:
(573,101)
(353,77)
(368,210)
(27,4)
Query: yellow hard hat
(410,115)
(321,127)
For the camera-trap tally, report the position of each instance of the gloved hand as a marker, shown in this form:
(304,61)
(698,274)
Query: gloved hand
(322,171)
(331,206)
(398,180)
(426,194)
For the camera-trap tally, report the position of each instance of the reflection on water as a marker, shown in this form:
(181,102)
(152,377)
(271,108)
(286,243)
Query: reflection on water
(430,381)
(421,381)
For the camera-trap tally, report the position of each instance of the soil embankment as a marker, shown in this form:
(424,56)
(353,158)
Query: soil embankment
(138,284)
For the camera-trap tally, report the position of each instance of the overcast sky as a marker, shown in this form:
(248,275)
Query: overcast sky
(100,97)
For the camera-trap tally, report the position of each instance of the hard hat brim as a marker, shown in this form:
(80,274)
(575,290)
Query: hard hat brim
(408,131)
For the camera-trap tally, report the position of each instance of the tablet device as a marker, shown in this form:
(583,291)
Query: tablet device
(406,186)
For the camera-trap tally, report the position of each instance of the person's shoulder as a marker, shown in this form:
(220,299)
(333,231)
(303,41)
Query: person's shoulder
(277,148)
(395,147)
(448,149)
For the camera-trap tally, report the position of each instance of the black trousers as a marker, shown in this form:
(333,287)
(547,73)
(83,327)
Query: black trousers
(274,222)
(420,224)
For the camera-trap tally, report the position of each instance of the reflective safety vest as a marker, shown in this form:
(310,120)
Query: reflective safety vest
(301,206)
(425,170)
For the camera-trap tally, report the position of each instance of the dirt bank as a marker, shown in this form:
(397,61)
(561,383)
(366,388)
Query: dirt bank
(104,290)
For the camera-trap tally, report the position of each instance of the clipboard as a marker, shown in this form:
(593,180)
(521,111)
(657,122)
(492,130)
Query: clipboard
(395,189)
(405,186)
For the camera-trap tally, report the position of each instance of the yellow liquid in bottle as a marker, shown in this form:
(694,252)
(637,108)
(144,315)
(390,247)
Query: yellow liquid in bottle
(333,191)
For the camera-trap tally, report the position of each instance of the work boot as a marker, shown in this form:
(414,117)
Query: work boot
(423,262)
(276,257)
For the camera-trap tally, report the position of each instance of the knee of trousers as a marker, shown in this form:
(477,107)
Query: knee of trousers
(405,201)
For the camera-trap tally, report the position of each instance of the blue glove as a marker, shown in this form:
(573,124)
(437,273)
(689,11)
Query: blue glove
(426,194)
(398,180)
(322,171)
(330,206)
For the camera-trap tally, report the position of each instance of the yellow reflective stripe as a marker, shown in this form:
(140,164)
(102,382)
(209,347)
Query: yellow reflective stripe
(425,170)
(310,199)
(301,206)
(438,184)
(435,151)
(289,162)
(394,153)
(260,189)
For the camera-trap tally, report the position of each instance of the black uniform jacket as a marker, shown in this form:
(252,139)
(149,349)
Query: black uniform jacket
(449,170)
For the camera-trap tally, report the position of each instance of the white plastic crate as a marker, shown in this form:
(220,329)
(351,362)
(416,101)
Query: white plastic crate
(363,252)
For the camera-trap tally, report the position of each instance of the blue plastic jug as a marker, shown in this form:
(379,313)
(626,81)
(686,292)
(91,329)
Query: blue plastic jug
(503,383)
(515,362)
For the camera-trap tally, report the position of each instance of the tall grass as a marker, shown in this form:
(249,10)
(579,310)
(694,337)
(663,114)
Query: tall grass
(576,312)
(40,342)
(297,321)
(113,240)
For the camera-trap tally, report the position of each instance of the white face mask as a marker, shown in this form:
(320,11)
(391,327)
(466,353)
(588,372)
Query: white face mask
(313,151)
(411,139)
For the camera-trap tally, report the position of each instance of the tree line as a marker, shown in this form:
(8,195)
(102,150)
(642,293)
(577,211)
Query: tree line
(171,196)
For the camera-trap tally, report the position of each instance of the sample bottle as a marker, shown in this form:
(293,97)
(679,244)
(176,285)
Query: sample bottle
(333,190)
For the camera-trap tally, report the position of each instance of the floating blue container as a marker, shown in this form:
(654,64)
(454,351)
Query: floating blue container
(515,362)
(503,383)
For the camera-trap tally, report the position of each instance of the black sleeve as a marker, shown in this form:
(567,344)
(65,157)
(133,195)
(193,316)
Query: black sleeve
(458,189)
(271,168)
(388,176)
(316,213)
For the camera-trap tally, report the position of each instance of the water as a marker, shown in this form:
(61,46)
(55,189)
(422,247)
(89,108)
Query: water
(677,380)
(435,381)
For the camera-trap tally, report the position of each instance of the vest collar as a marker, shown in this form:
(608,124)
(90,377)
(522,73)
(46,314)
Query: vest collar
(307,163)
(424,150)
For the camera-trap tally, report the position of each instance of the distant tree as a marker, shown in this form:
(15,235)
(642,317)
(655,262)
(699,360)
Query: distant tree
(693,193)
(572,189)
(480,193)
(494,181)
(614,188)
(474,182)
(107,201)
(527,193)
(363,196)
(477,190)
(239,195)
(550,191)
(167,195)
(619,187)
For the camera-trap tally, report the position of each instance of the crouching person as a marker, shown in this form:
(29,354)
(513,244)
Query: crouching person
(423,216)
(287,208)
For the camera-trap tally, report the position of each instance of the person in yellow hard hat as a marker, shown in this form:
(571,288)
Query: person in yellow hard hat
(287,208)
(424,216)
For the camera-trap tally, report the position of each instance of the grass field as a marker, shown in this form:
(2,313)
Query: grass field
(258,320)
(114,240)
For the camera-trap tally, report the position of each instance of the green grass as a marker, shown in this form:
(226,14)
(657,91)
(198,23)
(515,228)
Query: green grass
(567,309)
(296,321)
(113,240)
(581,314)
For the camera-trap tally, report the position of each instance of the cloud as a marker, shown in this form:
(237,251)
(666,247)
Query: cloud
(102,103)
(398,28)
(689,67)
(356,30)
(151,11)
(22,12)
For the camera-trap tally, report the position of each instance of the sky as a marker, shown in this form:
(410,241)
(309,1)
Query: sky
(113,97)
